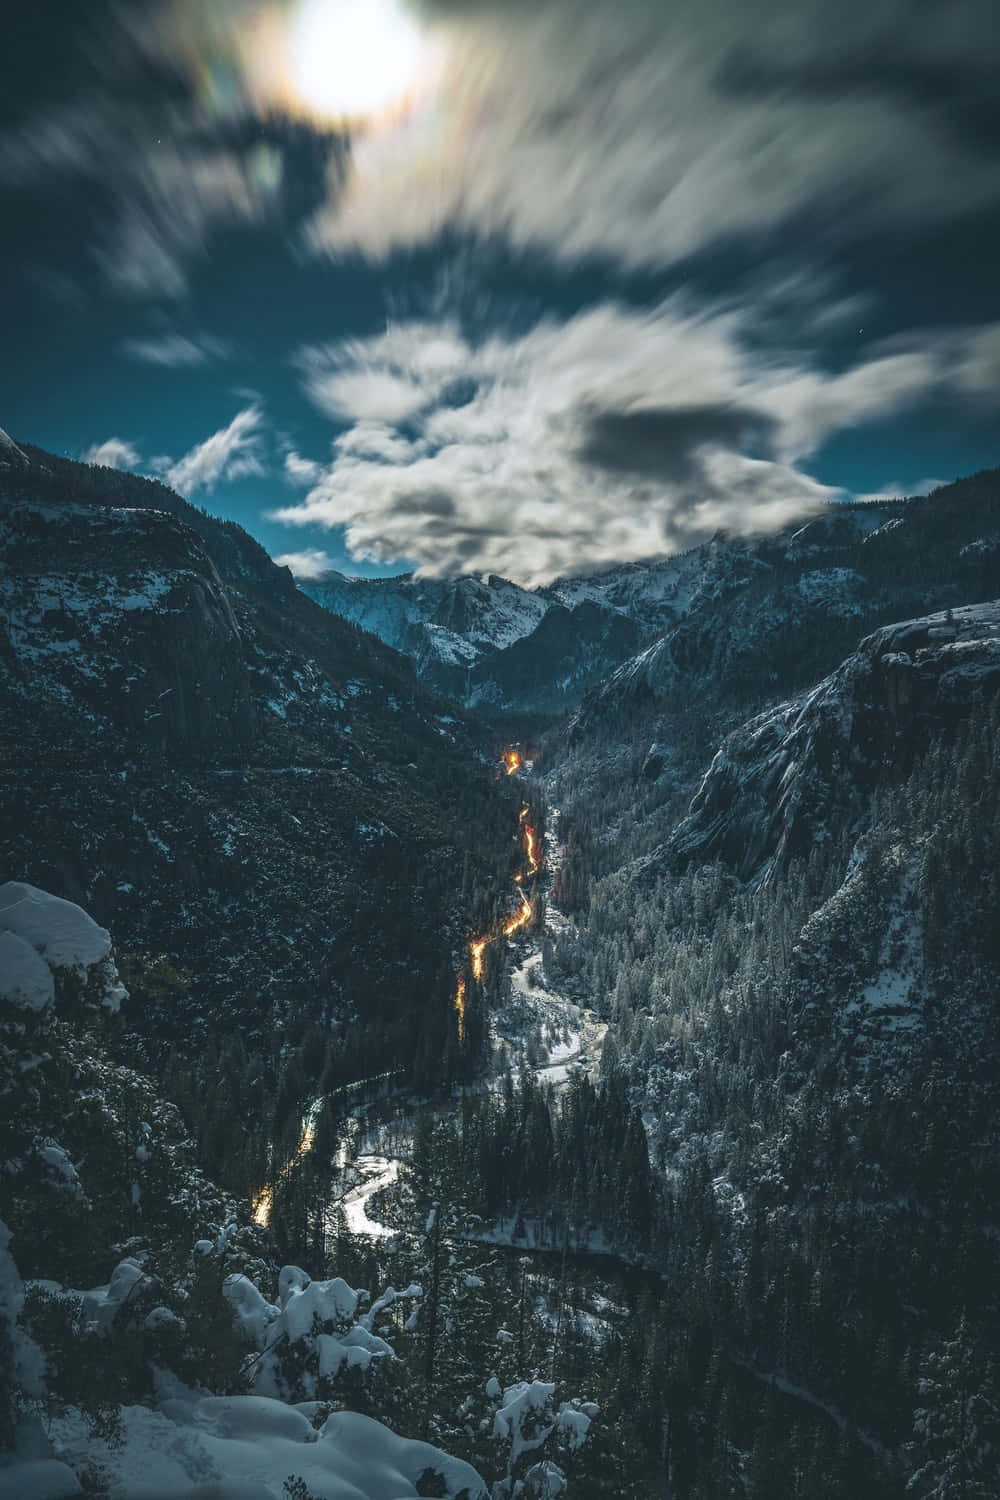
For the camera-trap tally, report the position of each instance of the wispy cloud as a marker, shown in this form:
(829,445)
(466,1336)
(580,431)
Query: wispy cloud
(896,488)
(613,435)
(113,453)
(175,350)
(303,471)
(234,452)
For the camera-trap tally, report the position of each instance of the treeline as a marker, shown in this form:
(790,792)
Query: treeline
(568,1163)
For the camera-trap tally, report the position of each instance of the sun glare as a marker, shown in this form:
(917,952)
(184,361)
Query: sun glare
(355,59)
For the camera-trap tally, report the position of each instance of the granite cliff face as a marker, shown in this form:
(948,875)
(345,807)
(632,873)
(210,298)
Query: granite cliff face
(119,621)
(247,788)
(797,773)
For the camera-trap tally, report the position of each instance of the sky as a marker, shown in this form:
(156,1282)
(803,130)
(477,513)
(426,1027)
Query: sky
(480,287)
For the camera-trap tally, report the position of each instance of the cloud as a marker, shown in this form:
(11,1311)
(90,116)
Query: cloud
(895,488)
(639,132)
(234,452)
(174,350)
(647,132)
(310,563)
(113,453)
(153,166)
(299,470)
(613,435)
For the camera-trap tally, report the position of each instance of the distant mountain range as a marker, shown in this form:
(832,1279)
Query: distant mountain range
(730,608)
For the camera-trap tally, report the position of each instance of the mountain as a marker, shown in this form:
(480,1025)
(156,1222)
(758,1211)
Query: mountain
(770,616)
(512,650)
(762,859)
(506,649)
(284,828)
(797,774)
(11,456)
(788,914)
(762,613)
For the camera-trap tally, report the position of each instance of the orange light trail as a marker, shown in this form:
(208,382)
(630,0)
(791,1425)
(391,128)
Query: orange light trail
(477,949)
(522,917)
(512,762)
(460,1007)
(262,1203)
(478,946)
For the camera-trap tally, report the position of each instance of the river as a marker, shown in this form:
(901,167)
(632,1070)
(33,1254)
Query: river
(539,1025)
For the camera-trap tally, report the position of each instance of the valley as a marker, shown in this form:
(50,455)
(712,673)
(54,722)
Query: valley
(485,1076)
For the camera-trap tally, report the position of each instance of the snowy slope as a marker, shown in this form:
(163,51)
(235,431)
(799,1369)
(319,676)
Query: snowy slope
(456,619)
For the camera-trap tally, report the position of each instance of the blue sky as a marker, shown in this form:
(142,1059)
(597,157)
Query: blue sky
(578,284)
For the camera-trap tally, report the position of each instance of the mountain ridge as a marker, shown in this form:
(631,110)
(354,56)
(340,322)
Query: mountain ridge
(471,638)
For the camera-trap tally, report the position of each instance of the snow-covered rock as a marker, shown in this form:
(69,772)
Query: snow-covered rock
(38,1479)
(25,978)
(62,932)
(64,936)
(246,1447)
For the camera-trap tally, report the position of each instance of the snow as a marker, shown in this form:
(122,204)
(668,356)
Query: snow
(304,1306)
(27,1362)
(329,1301)
(254,1313)
(60,1167)
(835,589)
(528,1418)
(38,1479)
(11,456)
(25,978)
(378,1172)
(245,1447)
(59,930)
(102,1304)
(545,1481)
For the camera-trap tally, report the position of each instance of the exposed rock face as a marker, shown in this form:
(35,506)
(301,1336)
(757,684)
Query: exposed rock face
(784,779)
(228,775)
(762,619)
(119,616)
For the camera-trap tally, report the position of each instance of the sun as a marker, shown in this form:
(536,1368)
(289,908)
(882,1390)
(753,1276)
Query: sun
(355,59)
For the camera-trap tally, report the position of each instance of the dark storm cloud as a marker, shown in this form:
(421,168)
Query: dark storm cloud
(959,93)
(664,444)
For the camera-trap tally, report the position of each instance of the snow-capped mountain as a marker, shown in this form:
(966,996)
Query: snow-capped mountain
(758,614)
(495,645)
(763,619)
